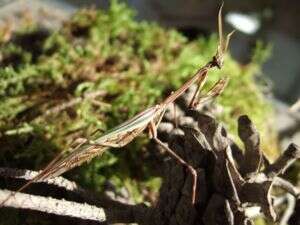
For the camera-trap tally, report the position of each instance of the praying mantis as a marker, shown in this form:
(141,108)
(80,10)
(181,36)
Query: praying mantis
(149,118)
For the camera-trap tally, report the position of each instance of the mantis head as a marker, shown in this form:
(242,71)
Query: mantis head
(223,42)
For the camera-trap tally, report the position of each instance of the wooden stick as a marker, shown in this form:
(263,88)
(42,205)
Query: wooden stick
(52,205)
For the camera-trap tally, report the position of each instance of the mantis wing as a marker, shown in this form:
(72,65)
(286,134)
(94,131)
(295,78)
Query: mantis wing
(117,137)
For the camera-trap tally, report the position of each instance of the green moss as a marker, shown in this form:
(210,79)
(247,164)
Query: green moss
(134,63)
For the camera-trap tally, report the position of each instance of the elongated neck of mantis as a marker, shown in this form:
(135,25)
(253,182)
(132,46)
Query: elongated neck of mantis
(201,72)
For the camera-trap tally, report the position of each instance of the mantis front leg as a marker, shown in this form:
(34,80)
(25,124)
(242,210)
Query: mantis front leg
(153,131)
(200,84)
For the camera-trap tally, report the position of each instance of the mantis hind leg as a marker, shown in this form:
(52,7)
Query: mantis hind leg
(193,172)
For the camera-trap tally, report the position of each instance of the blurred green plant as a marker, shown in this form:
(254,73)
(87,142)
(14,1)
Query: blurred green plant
(46,78)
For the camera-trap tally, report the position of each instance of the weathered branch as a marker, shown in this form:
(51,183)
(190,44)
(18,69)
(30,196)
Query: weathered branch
(29,175)
(250,137)
(287,186)
(291,203)
(284,161)
(53,206)
(59,182)
(115,211)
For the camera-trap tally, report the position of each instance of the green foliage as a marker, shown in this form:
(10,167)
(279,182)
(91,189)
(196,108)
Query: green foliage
(134,63)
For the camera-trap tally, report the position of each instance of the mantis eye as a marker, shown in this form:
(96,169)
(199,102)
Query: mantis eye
(218,61)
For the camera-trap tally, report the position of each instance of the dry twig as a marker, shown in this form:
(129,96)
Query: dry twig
(53,206)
